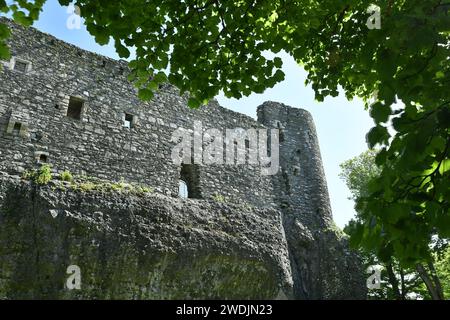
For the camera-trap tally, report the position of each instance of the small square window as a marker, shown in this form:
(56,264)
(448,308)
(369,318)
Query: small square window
(43,158)
(128,120)
(75,108)
(17,128)
(21,66)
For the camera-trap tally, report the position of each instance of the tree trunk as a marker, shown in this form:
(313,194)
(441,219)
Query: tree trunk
(431,286)
(402,284)
(437,281)
(393,281)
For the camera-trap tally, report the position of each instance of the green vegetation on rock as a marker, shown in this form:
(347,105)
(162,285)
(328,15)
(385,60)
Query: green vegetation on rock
(41,176)
(66,176)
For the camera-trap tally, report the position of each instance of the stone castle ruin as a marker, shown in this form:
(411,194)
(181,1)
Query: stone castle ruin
(269,236)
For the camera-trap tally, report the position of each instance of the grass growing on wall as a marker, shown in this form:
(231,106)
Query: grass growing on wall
(43,176)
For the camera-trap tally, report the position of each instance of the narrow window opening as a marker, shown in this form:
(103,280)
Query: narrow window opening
(281,132)
(247,150)
(236,151)
(75,108)
(17,128)
(128,120)
(190,176)
(287,185)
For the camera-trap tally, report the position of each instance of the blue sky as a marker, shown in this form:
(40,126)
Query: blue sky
(341,124)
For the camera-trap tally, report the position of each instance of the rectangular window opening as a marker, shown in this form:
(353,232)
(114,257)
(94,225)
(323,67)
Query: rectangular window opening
(128,120)
(17,128)
(75,108)
(43,158)
(189,182)
(21,66)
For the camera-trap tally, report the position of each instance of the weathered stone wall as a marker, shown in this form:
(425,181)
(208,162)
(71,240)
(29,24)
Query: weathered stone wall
(98,145)
(287,245)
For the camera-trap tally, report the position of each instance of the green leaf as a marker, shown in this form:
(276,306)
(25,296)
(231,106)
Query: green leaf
(21,18)
(145,94)
(102,36)
(377,135)
(194,103)
(122,51)
(440,75)
(133,64)
(381,158)
(160,77)
(278,63)
(380,112)
(4,32)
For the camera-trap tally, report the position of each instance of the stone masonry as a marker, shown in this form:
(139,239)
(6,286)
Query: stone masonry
(76,111)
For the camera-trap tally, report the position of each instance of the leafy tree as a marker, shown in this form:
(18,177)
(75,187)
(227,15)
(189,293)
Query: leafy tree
(357,173)
(211,45)
(399,281)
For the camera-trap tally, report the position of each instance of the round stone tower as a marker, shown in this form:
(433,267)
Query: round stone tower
(322,265)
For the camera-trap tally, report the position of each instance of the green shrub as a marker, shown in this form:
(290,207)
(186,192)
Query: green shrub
(66,176)
(43,175)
